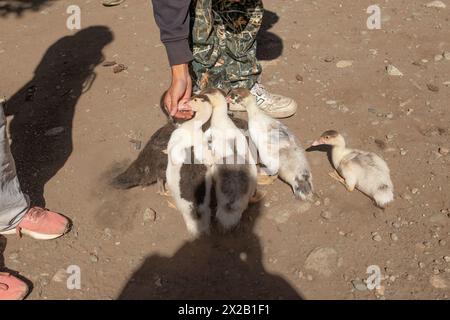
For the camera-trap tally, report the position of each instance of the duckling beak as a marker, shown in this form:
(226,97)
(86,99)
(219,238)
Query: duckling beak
(185,105)
(317,143)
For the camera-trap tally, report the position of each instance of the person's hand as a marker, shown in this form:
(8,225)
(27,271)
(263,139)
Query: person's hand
(179,93)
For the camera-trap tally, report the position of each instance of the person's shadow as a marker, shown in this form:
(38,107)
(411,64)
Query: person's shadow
(43,110)
(270,46)
(213,267)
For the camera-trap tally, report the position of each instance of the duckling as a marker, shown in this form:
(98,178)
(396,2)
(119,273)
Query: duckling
(150,166)
(188,174)
(234,169)
(363,170)
(278,148)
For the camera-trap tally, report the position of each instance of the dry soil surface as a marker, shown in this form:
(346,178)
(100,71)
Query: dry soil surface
(74,123)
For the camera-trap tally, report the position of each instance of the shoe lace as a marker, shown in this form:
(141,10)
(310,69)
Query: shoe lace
(35,213)
(260,90)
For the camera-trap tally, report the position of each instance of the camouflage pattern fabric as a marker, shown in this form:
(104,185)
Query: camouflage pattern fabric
(224,43)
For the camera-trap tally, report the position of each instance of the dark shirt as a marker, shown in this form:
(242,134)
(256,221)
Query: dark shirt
(173,20)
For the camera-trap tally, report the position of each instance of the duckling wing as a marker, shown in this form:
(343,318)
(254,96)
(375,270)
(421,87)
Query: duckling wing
(280,136)
(366,160)
(367,170)
(269,136)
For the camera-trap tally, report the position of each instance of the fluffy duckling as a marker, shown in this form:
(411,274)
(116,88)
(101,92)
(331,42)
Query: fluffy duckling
(359,169)
(234,170)
(189,176)
(150,166)
(279,150)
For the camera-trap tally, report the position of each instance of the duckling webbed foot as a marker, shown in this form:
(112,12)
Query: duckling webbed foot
(265,180)
(258,196)
(171,205)
(162,188)
(339,179)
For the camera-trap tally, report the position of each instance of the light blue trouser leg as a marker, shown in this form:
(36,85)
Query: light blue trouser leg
(13,203)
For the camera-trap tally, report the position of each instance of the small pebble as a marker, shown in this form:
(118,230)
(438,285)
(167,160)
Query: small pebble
(444,151)
(149,215)
(359,285)
(393,71)
(326,215)
(344,64)
(438,57)
(377,238)
(396,225)
(432,87)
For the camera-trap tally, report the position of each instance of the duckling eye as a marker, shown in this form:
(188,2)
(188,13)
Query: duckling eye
(327,137)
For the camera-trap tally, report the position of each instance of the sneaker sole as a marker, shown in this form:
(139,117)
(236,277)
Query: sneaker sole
(240,109)
(34,235)
(281,114)
(276,115)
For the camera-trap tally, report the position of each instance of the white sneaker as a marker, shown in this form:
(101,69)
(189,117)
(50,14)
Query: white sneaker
(274,105)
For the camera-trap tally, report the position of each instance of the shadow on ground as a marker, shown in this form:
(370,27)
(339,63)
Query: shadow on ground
(212,267)
(43,109)
(270,46)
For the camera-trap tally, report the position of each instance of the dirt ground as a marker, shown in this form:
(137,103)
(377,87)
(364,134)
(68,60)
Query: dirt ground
(74,123)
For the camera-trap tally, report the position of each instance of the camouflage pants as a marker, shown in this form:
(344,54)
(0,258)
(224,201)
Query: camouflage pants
(224,43)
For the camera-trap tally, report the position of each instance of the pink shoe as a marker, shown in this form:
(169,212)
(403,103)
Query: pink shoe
(12,288)
(42,224)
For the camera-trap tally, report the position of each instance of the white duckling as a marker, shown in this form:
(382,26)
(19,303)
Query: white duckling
(363,170)
(188,174)
(279,150)
(234,170)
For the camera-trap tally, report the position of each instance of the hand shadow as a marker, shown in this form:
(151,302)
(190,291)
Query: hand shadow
(270,46)
(43,109)
(218,266)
